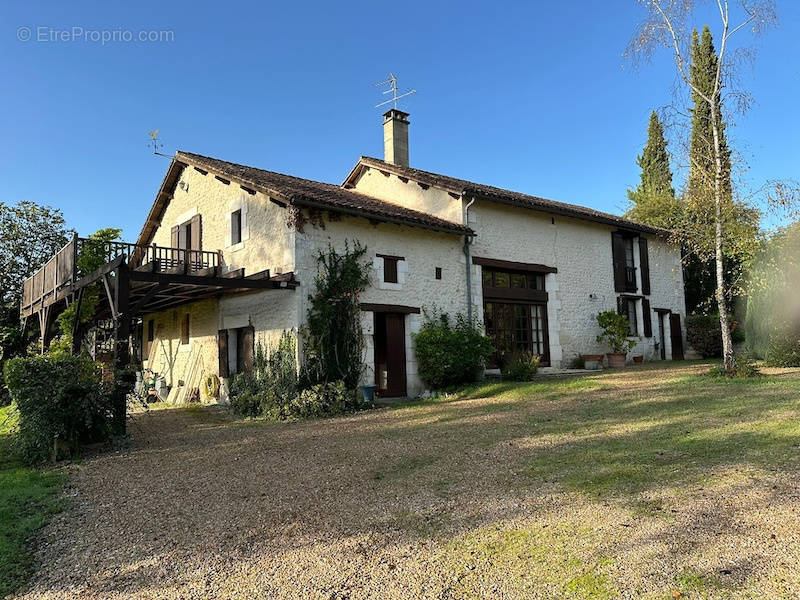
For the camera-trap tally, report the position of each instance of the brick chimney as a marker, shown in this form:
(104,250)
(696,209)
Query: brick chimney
(395,137)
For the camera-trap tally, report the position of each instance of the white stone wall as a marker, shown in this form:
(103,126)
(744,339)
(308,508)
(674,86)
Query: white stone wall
(417,285)
(267,241)
(187,363)
(408,193)
(584,283)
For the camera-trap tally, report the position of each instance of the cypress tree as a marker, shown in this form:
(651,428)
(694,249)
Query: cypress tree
(701,144)
(740,223)
(653,201)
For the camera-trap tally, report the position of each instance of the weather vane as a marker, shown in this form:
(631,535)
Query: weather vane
(392,83)
(155,143)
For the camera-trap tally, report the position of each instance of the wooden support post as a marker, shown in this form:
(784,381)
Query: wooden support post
(45,335)
(77,330)
(122,328)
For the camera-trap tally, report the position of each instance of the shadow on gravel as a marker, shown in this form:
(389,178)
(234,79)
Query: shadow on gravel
(198,494)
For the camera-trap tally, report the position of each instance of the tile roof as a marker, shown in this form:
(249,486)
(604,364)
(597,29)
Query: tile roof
(315,194)
(470,188)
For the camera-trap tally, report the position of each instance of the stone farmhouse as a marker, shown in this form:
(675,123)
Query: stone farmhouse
(535,272)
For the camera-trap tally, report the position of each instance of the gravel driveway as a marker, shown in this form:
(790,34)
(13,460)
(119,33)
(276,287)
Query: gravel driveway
(432,501)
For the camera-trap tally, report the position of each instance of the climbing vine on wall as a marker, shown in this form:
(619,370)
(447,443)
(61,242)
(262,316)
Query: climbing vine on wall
(334,341)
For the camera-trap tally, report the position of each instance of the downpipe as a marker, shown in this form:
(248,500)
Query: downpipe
(468,254)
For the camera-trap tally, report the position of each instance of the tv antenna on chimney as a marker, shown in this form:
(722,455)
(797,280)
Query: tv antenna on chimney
(392,83)
(155,143)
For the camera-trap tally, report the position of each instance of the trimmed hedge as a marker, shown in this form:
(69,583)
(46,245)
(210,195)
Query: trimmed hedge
(704,335)
(62,403)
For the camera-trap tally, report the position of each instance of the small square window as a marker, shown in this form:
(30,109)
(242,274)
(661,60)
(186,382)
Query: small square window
(236,227)
(438,272)
(185,329)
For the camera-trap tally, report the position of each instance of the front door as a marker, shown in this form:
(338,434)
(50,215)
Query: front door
(390,354)
(676,336)
(661,337)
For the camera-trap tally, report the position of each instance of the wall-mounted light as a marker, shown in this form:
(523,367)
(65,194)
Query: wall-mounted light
(183,185)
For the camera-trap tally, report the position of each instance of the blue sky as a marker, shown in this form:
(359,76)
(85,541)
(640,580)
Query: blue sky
(531,96)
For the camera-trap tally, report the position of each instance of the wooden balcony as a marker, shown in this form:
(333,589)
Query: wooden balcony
(63,273)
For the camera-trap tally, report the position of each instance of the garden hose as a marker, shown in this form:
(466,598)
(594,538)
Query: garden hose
(211,386)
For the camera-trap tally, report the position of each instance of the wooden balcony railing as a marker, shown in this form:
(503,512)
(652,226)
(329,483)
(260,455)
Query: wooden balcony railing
(68,266)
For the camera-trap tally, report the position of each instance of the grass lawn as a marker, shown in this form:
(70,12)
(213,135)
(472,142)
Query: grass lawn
(28,499)
(649,482)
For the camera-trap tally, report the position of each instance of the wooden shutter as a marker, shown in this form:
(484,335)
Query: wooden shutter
(222,350)
(389,269)
(247,348)
(174,237)
(618,258)
(644,266)
(197,233)
(647,318)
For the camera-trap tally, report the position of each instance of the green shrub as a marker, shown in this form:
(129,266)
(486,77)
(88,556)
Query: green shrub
(62,403)
(521,367)
(704,335)
(616,330)
(783,349)
(273,384)
(743,368)
(273,390)
(450,354)
(323,399)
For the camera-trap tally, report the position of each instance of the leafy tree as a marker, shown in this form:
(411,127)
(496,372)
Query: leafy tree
(739,222)
(716,227)
(653,201)
(30,234)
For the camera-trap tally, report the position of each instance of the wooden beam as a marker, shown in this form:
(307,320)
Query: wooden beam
(153,291)
(260,275)
(222,282)
(235,274)
(512,266)
(111,300)
(394,308)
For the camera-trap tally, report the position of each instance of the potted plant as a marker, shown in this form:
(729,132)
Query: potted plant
(615,333)
(638,359)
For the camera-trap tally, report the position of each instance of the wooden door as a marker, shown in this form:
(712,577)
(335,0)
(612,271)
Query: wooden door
(390,354)
(676,336)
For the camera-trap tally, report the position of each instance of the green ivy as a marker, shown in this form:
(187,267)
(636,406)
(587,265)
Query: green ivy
(334,340)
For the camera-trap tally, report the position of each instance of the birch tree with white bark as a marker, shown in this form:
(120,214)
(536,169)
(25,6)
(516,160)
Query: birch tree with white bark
(668,24)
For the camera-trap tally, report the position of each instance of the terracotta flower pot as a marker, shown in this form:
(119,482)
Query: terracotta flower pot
(616,360)
(638,359)
(592,362)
